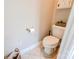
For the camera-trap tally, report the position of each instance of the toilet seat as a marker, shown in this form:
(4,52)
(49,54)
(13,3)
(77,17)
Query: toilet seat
(50,41)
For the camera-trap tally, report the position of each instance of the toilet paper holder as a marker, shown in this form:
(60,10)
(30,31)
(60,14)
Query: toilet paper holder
(30,29)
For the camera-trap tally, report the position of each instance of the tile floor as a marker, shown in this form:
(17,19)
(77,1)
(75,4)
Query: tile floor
(36,54)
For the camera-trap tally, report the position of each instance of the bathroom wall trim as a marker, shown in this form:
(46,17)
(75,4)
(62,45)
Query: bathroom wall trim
(30,48)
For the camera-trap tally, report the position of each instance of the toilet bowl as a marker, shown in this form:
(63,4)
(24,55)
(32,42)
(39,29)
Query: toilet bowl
(51,42)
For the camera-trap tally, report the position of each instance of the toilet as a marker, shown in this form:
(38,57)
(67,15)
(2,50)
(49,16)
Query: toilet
(51,42)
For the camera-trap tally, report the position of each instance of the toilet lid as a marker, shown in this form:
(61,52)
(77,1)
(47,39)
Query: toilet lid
(50,40)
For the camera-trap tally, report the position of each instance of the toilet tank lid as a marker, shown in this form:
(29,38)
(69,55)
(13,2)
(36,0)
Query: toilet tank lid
(49,40)
(58,27)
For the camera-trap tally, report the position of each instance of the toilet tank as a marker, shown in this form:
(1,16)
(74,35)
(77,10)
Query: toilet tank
(58,31)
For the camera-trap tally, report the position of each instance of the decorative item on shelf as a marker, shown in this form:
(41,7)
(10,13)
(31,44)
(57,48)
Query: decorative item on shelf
(61,23)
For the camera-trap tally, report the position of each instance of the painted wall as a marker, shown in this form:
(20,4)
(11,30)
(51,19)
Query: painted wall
(62,14)
(17,14)
(36,13)
(48,8)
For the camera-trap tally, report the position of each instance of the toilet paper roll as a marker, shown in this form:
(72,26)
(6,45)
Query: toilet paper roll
(30,30)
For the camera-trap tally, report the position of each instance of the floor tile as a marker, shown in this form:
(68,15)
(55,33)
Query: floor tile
(34,57)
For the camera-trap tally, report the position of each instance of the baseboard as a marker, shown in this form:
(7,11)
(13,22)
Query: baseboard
(29,48)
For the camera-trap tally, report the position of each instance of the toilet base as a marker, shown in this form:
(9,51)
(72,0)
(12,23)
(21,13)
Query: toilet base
(48,55)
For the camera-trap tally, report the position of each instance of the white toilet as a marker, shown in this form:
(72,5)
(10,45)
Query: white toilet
(50,42)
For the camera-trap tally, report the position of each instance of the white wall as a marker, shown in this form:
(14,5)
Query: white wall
(47,11)
(36,13)
(62,14)
(17,14)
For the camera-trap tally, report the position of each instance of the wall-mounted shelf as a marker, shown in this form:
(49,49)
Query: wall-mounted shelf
(63,4)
